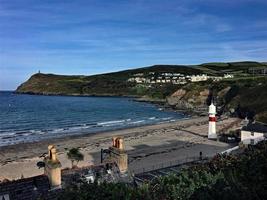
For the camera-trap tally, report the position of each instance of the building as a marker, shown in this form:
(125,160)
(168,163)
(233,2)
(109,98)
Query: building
(258,70)
(228,76)
(252,133)
(216,78)
(37,187)
(49,185)
(198,78)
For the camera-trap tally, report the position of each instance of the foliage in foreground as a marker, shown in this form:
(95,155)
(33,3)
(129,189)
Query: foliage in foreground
(225,177)
(74,155)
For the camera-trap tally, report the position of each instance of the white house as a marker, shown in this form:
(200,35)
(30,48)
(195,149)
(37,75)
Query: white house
(228,76)
(197,78)
(253,133)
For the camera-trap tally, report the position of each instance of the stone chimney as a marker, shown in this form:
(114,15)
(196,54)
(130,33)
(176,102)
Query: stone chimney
(114,142)
(118,154)
(52,167)
(121,144)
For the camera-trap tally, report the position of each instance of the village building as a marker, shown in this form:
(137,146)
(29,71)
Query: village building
(173,78)
(216,78)
(197,78)
(114,168)
(252,133)
(258,70)
(228,76)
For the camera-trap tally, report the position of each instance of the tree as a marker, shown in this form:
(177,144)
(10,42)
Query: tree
(74,155)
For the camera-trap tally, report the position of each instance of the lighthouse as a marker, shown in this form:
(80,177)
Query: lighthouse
(212,122)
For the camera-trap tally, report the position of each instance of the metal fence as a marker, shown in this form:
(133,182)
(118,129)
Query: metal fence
(188,160)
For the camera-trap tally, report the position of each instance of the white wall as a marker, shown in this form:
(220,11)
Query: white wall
(246,137)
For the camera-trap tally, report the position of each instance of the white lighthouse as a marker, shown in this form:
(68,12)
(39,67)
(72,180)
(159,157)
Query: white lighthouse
(212,122)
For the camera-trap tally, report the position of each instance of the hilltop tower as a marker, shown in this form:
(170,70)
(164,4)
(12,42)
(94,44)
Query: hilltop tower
(212,121)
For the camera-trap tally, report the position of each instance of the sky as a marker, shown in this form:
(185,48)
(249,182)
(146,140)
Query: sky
(97,36)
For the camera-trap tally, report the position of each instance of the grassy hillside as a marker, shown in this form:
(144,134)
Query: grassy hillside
(116,83)
(244,94)
(232,67)
(105,84)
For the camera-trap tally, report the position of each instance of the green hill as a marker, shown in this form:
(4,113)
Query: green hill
(104,84)
(116,83)
(245,94)
(231,67)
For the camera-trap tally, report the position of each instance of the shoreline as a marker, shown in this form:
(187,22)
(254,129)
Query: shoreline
(95,134)
(88,134)
(145,145)
(159,104)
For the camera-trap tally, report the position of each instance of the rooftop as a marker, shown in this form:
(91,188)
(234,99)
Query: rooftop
(255,127)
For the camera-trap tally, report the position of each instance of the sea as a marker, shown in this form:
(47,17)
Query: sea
(27,118)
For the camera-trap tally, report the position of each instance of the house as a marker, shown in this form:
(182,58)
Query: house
(113,168)
(228,76)
(139,80)
(28,188)
(216,78)
(138,74)
(252,133)
(197,78)
(258,71)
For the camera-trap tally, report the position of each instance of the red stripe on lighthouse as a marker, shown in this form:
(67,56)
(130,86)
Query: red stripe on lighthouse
(212,119)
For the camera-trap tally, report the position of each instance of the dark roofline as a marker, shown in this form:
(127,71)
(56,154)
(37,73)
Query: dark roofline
(255,127)
(23,180)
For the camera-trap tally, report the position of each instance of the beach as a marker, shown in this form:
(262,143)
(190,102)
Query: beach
(147,146)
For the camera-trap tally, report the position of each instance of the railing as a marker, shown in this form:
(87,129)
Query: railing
(172,163)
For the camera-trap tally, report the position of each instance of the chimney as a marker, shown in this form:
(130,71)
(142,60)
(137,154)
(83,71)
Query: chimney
(121,144)
(114,141)
(118,154)
(52,167)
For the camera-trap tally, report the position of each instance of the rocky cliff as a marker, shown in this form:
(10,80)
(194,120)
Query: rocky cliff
(243,98)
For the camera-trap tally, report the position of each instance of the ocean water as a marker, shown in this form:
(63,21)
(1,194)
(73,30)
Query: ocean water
(25,118)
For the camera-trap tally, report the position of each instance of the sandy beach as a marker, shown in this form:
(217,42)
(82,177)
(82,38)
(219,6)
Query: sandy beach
(146,146)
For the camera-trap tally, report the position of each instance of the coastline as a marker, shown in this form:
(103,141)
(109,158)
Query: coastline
(145,145)
(94,125)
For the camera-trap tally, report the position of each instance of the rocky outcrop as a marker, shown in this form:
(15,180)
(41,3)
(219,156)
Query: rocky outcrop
(182,99)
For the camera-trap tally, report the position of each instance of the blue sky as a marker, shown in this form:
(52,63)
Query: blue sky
(96,36)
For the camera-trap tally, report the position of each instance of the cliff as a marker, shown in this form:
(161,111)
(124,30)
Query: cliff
(242,97)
